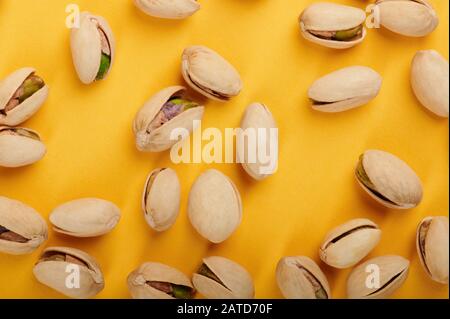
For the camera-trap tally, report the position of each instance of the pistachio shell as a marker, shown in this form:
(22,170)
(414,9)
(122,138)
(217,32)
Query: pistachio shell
(28,107)
(86,217)
(159,139)
(20,147)
(429,81)
(347,244)
(413,18)
(54,272)
(22,229)
(214,207)
(139,281)
(389,180)
(300,278)
(345,89)
(210,74)
(228,280)
(168,9)
(432,243)
(393,271)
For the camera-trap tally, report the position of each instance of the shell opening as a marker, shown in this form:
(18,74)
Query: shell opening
(205,271)
(149,184)
(17,131)
(351,231)
(173,290)
(8,235)
(423,231)
(216,94)
(62,256)
(30,85)
(105,60)
(319,290)
(340,35)
(390,281)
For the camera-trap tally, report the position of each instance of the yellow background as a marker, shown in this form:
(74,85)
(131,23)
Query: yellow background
(91,151)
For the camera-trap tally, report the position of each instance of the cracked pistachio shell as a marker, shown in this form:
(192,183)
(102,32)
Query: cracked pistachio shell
(413,18)
(349,243)
(54,272)
(28,228)
(20,147)
(209,73)
(429,81)
(214,207)
(138,281)
(230,280)
(393,271)
(345,89)
(330,17)
(299,277)
(86,217)
(168,9)
(27,108)
(161,198)
(389,180)
(86,45)
(158,140)
(432,242)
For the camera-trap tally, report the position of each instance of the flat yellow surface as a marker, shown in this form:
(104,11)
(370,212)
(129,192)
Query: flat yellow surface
(91,152)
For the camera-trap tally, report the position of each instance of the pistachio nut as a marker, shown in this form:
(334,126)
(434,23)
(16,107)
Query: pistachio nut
(347,244)
(413,18)
(221,278)
(168,110)
(22,229)
(432,247)
(333,25)
(210,74)
(21,95)
(389,180)
(389,273)
(214,207)
(168,9)
(429,81)
(158,281)
(56,263)
(86,217)
(345,89)
(93,48)
(300,278)
(20,147)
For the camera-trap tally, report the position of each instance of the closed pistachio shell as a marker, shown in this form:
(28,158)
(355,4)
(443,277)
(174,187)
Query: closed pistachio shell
(209,73)
(57,263)
(300,278)
(18,102)
(221,278)
(214,207)
(389,180)
(158,281)
(345,89)
(347,244)
(391,271)
(432,242)
(20,147)
(168,9)
(22,229)
(166,111)
(429,81)
(86,217)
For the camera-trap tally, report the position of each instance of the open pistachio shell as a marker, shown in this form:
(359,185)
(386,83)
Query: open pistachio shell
(22,93)
(391,271)
(345,89)
(300,278)
(209,73)
(168,9)
(347,244)
(432,242)
(221,278)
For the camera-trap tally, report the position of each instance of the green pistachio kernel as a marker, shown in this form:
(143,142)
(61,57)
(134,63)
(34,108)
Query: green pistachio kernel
(105,63)
(346,35)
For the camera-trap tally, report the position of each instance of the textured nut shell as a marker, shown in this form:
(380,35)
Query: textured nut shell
(25,221)
(203,66)
(86,217)
(152,271)
(349,250)
(345,89)
(238,282)
(429,81)
(168,9)
(214,206)
(389,267)
(291,281)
